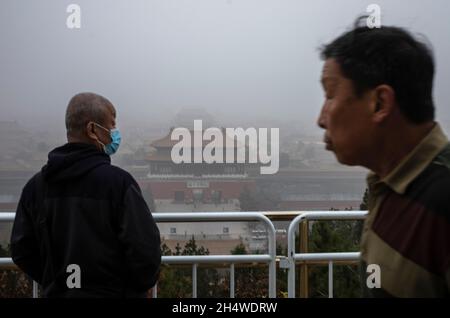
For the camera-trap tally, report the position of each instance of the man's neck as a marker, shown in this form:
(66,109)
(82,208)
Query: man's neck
(76,139)
(397,146)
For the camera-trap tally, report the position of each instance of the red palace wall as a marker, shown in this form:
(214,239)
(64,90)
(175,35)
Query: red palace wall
(164,190)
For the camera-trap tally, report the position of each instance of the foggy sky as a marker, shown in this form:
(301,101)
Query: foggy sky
(252,59)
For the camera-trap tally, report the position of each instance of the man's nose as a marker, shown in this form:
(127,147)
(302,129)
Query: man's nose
(322,120)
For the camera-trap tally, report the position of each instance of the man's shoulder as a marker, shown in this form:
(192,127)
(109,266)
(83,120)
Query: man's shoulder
(30,186)
(437,174)
(29,192)
(432,187)
(443,158)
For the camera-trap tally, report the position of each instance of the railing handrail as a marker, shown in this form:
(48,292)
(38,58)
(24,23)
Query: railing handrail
(7,216)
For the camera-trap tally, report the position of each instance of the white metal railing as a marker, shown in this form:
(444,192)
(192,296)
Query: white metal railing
(293,257)
(269,258)
(7,261)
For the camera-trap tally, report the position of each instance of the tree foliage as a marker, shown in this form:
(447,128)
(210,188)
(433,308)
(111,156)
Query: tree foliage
(13,283)
(334,236)
(176,281)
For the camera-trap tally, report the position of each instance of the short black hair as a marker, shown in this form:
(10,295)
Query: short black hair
(83,108)
(387,55)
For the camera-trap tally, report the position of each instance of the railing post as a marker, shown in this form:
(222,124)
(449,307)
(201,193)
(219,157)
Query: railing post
(194,280)
(35,290)
(303,267)
(272,263)
(330,279)
(232,280)
(291,258)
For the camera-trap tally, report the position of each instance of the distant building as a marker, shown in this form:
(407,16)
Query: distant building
(196,187)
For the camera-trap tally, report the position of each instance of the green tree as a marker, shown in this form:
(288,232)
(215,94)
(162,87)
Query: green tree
(13,283)
(251,280)
(365,201)
(282,274)
(176,281)
(334,236)
(4,252)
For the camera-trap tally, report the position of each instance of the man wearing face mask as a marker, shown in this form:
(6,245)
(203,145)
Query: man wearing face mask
(82,227)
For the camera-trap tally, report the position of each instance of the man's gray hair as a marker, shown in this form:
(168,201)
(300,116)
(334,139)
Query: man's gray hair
(84,108)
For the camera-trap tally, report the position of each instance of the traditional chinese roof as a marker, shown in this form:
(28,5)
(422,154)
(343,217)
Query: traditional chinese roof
(166,141)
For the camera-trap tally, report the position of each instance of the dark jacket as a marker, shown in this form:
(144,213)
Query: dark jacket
(93,215)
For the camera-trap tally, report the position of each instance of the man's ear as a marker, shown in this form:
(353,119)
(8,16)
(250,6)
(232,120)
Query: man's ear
(383,103)
(90,131)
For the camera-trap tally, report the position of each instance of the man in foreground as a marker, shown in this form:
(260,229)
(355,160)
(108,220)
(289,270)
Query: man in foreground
(379,113)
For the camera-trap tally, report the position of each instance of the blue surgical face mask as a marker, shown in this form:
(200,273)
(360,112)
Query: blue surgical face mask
(112,147)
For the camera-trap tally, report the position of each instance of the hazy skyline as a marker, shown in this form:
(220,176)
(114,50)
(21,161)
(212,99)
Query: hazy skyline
(239,60)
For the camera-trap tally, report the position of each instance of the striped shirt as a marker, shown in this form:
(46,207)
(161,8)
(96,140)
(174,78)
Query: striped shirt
(407,230)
